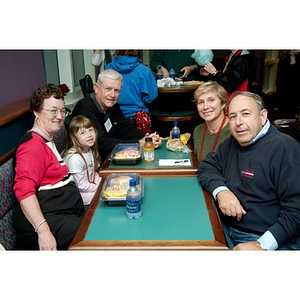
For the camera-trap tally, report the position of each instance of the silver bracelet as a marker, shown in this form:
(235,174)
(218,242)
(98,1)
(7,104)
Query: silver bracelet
(37,227)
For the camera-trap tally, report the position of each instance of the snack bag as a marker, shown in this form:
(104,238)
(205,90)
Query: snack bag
(184,137)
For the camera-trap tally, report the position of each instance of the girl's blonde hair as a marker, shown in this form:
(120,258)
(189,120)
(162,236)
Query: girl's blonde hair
(75,125)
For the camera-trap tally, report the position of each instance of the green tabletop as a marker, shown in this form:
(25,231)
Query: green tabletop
(172,209)
(160,153)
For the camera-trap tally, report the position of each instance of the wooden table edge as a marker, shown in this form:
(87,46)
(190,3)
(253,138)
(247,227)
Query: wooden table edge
(188,88)
(149,245)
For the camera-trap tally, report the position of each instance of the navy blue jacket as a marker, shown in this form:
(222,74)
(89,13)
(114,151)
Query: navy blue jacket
(265,178)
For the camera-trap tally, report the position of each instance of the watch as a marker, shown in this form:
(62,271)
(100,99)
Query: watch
(262,246)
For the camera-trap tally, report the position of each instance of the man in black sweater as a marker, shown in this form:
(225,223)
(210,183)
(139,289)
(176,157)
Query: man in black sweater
(254,176)
(105,113)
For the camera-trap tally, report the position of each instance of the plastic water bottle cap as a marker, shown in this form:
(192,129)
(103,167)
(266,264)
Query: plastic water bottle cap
(175,123)
(132,182)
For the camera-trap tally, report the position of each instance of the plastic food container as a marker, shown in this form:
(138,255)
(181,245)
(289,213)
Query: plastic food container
(126,154)
(116,186)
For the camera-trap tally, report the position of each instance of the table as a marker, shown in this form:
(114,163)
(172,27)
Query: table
(178,89)
(176,215)
(174,103)
(160,153)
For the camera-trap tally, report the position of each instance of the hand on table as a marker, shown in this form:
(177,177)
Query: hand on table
(254,245)
(157,140)
(230,205)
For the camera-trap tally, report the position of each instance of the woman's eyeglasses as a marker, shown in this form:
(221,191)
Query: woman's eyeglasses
(54,112)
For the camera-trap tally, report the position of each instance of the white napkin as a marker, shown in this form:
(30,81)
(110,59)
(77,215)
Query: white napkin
(166,82)
(174,162)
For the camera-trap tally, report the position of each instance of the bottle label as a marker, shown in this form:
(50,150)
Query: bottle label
(133,206)
(175,136)
(149,155)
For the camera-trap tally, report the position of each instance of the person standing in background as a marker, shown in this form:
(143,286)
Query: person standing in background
(101,58)
(234,74)
(183,64)
(138,90)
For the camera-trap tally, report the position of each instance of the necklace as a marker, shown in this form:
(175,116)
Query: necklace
(216,138)
(87,172)
(42,133)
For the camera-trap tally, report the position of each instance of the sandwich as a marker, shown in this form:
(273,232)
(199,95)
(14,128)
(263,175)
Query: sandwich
(175,145)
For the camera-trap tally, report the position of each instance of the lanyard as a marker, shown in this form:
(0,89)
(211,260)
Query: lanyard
(216,138)
(231,57)
(87,172)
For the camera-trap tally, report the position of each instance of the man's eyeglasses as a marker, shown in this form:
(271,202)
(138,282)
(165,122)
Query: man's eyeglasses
(54,112)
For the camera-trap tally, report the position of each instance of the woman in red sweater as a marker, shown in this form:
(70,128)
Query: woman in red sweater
(49,207)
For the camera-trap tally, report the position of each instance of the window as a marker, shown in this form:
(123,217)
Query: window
(68,67)
(78,66)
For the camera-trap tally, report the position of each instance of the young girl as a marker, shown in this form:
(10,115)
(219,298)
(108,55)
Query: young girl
(81,156)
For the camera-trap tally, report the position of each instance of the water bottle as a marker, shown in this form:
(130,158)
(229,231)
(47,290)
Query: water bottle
(175,133)
(172,73)
(159,74)
(133,201)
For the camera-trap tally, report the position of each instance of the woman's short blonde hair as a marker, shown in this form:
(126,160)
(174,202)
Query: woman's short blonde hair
(211,87)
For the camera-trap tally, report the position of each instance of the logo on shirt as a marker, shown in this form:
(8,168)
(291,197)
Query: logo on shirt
(247,174)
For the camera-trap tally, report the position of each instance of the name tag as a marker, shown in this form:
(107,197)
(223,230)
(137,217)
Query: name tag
(108,125)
